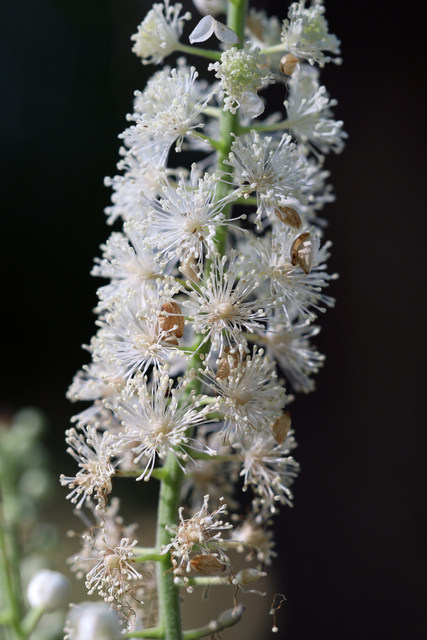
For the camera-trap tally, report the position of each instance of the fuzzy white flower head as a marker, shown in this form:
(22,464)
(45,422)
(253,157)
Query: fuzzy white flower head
(224,309)
(94,456)
(241,74)
(157,419)
(159,33)
(184,221)
(268,468)
(274,172)
(203,531)
(249,397)
(127,262)
(92,621)
(305,33)
(297,357)
(166,111)
(133,336)
(113,575)
(47,590)
(309,111)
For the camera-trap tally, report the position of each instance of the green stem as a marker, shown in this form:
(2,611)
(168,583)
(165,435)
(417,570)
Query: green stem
(229,122)
(168,591)
(228,619)
(146,554)
(276,126)
(198,51)
(152,634)
(9,569)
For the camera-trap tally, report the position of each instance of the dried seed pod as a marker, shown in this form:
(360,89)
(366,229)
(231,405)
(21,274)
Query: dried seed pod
(206,564)
(288,64)
(289,216)
(171,319)
(229,360)
(304,251)
(281,427)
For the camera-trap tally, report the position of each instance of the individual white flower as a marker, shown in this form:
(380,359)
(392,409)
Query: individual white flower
(296,356)
(212,7)
(207,26)
(94,454)
(296,293)
(132,337)
(268,468)
(275,172)
(183,223)
(305,33)
(223,305)
(158,418)
(96,382)
(249,397)
(310,115)
(159,33)
(316,192)
(128,262)
(264,31)
(164,113)
(241,74)
(92,539)
(216,477)
(48,590)
(139,176)
(114,574)
(92,621)
(253,534)
(201,532)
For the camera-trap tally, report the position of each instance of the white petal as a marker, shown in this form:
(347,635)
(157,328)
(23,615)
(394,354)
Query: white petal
(203,30)
(225,34)
(252,106)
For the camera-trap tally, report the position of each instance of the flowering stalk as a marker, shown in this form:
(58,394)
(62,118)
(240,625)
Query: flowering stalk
(214,284)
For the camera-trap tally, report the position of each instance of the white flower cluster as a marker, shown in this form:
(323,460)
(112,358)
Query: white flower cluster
(213,285)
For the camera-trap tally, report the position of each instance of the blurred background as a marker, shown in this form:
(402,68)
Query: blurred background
(352,552)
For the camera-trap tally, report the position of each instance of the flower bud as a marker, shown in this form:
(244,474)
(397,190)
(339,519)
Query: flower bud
(247,576)
(171,319)
(281,427)
(93,621)
(206,564)
(289,216)
(288,64)
(47,590)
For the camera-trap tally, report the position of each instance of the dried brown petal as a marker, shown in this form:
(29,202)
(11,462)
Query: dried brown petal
(208,565)
(229,360)
(281,427)
(289,216)
(304,251)
(171,319)
(288,64)
(295,245)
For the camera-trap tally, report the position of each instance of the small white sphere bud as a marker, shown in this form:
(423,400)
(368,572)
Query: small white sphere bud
(94,621)
(48,590)
(246,576)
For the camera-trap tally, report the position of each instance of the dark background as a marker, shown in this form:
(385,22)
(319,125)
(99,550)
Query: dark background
(352,552)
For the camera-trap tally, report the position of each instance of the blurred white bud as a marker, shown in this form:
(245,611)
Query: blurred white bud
(214,7)
(93,621)
(246,576)
(48,590)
